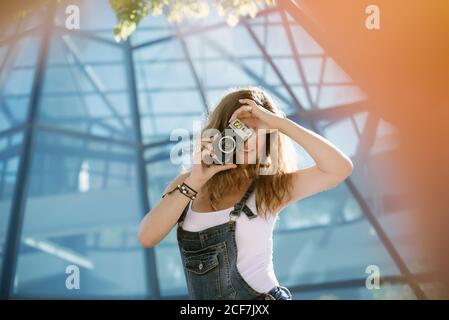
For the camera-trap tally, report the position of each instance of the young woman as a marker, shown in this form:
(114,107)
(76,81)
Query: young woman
(226,213)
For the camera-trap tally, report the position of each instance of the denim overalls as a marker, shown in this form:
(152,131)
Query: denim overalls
(209,259)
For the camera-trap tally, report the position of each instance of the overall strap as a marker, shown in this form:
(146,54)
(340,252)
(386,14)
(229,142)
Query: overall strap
(235,213)
(241,205)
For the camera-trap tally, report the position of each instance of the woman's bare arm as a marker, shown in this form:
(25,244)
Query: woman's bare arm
(331,166)
(163,216)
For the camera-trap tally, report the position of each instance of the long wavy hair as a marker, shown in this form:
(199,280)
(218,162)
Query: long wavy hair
(271,189)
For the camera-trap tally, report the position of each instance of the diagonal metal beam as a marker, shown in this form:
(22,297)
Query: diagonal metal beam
(197,30)
(5,69)
(196,78)
(13,235)
(85,136)
(334,113)
(270,61)
(250,73)
(85,34)
(367,138)
(94,121)
(75,77)
(296,57)
(90,122)
(91,76)
(150,254)
(5,109)
(386,241)
(21,35)
(321,80)
(292,8)
(287,26)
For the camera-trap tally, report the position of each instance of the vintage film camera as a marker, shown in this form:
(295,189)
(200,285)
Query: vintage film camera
(225,145)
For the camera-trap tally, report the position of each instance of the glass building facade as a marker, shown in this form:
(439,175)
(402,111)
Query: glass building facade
(85,126)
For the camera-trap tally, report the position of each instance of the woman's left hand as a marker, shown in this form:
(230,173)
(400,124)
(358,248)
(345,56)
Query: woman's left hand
(255,116)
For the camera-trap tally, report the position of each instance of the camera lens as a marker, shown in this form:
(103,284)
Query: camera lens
(226,144)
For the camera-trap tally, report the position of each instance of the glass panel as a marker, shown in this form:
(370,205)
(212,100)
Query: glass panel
(83,199)
(152,28)
(324,227)
(387,195)
(334,74)
(10,147)
(344,135)
(169,265)
(85,89)
(168,96)
(335,95)
(305,44)
(82,209)
(16,80)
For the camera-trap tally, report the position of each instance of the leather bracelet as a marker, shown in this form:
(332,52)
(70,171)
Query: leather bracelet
(185,189)
(186,186)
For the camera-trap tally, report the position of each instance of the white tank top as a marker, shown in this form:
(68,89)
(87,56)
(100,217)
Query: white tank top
(254,239)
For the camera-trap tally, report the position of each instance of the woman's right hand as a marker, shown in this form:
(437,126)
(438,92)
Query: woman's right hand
(203,169)
(160,220)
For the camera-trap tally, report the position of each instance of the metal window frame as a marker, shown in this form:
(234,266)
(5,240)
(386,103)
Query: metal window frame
(13,237)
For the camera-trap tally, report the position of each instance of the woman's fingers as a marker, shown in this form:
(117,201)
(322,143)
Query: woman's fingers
(197,150)
(249,102)
(207,156)
(241,113)
(207,146)
(203,150)
(249,109)
(202,147)
(211,140)
(218,167)
(205,140)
